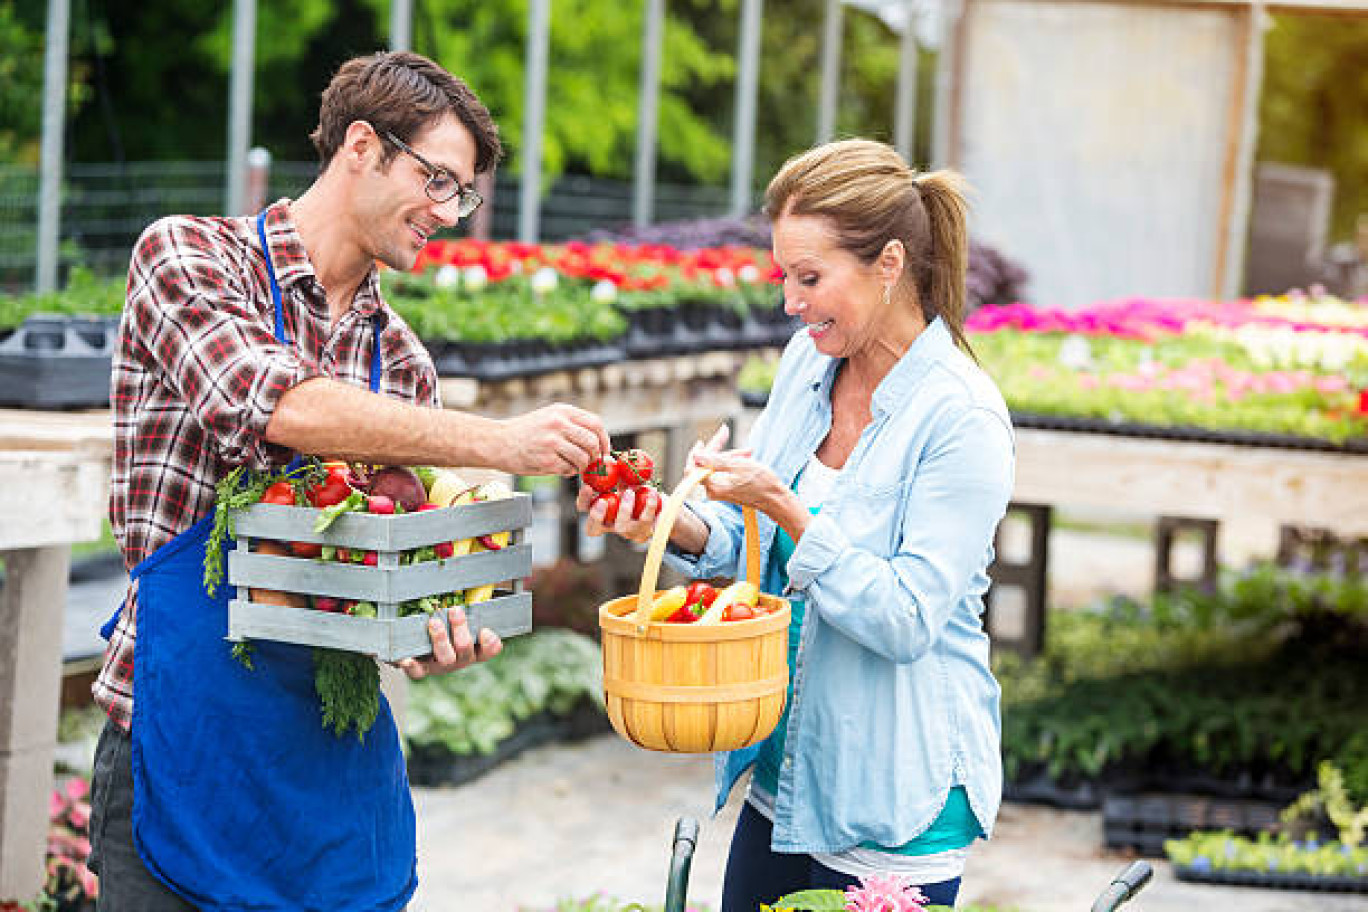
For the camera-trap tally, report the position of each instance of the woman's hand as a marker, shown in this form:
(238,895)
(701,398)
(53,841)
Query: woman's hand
(739,479)
(624,505)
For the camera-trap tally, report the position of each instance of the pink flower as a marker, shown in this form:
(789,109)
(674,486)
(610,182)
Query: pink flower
(878,893)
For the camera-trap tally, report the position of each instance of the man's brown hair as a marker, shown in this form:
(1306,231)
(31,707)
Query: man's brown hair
(403,93)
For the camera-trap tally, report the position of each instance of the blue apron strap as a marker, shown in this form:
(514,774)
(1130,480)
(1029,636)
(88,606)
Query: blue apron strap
(275,286)
(377,368)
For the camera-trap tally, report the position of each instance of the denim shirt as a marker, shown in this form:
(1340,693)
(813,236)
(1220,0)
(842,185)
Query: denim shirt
(893,702)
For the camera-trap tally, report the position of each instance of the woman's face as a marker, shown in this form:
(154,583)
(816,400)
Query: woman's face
(839,298)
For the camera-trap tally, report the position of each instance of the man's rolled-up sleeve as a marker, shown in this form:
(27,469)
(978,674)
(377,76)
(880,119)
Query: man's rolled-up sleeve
(194,318)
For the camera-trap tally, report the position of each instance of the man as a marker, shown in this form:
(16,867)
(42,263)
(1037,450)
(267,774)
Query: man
(244,341)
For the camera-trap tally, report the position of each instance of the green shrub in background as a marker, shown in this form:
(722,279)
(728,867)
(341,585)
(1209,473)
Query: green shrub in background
(1264,678)
(548,670)
(84,295)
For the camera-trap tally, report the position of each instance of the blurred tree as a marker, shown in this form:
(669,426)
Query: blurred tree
(1312,111)
(592,82)
(21,80)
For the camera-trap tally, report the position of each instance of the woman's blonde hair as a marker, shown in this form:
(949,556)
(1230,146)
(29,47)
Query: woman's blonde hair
(871,197)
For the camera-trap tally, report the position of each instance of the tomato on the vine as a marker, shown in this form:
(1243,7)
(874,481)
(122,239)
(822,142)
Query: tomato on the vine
(611,500)
(601,476)
(636,467)
(333,489)
(282,492)
(642,495)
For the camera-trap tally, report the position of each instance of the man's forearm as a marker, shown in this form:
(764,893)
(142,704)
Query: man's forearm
(328,418)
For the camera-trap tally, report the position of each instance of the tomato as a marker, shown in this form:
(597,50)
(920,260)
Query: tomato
(332,490)
(279,493)
(611,500)
(601,477)
(380,503)
(636,467)
(738,611)
(306,549)
(641,496)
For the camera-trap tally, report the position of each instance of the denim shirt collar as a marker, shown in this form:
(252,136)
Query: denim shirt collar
(932,346)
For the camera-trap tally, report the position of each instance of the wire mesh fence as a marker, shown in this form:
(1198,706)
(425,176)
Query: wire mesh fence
(105,207)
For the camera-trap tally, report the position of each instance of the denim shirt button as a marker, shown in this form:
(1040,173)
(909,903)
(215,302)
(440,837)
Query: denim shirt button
(788,763)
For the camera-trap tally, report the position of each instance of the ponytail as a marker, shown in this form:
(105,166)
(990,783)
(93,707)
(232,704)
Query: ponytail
(942,290)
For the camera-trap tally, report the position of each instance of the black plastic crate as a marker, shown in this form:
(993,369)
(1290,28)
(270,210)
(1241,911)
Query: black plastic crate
(58,362)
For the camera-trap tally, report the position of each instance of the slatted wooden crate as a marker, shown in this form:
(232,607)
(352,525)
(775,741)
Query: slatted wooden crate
(386,636)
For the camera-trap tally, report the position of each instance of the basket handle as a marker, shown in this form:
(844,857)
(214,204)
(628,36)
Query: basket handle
(650,572)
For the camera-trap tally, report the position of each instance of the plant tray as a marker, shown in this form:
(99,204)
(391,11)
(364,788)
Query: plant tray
(1274,880)
(1144,822)
(388,636)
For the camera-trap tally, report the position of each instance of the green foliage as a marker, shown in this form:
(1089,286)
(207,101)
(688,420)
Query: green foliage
(601,902)
(501,311)
(1264,677)
(21,85)
(592,83)
(1311,111)
(757,374)
(473,710)
(84,295)
(1223,851)
(1331,799)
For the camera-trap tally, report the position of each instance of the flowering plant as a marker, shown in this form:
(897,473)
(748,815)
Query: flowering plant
(876,893)
(69,882)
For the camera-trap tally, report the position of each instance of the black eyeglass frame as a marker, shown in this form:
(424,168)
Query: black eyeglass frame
(468,198)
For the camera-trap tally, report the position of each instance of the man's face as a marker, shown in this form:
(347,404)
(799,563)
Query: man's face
(394,212)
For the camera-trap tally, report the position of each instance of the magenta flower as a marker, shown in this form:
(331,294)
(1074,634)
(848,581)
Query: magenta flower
(879,893)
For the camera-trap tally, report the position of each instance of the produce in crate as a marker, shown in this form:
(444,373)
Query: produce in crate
(362,563)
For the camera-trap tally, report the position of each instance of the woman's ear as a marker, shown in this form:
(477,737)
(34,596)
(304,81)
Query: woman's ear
(892,260)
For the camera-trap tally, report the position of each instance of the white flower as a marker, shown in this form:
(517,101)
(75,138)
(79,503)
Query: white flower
(544,280)
(447,277)
(725,277)
(475,277)
(749,273)
(1076,353)
(603,291)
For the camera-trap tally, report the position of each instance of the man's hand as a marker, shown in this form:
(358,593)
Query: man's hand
(557,439)
(454,652)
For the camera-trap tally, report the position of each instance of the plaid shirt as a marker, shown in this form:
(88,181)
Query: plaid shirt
(198,373)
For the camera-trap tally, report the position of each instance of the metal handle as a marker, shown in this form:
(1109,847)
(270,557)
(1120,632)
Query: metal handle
(677,887)
(1124,886)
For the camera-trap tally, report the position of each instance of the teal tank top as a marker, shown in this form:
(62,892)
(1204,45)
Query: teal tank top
(955,828)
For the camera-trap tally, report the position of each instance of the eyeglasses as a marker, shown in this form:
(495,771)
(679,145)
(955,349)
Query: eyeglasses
(441,186)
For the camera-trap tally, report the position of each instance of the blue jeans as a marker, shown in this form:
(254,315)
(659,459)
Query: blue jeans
(756,874)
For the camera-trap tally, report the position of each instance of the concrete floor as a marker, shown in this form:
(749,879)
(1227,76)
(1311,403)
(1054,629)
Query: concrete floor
(567,821)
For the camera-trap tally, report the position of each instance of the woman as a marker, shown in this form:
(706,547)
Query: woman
(881,467)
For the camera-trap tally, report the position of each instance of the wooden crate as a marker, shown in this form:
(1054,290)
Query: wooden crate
(386,636)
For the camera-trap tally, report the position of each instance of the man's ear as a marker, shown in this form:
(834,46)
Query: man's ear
(360,145)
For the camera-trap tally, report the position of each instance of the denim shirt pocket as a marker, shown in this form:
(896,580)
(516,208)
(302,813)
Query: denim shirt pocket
(870,515)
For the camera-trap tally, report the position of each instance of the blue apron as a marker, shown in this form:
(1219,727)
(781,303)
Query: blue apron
(242,800)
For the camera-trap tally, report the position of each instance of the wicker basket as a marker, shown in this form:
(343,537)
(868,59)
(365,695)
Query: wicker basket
(693,688)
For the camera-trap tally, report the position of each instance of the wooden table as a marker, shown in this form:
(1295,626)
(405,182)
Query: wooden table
(56,471)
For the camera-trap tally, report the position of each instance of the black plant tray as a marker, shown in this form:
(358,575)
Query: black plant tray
(57,362)
(1143,822)
(1273,880)
(520,358)
(1185,432)
(430,765)
(754,399)
(1084,795)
